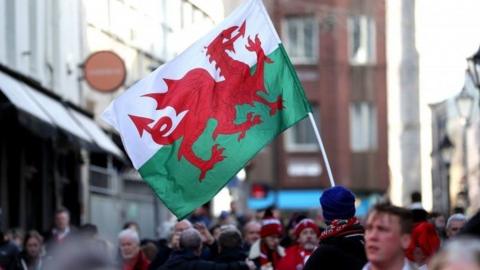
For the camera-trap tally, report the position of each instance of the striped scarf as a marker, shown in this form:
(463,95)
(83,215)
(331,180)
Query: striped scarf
(342,227)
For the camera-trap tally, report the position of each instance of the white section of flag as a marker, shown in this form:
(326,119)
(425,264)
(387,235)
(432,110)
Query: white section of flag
(141,149)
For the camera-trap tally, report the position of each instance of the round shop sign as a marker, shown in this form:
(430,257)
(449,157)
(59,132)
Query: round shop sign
(104,71)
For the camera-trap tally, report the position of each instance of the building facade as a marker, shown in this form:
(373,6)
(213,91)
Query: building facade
(338,49)
(55,151)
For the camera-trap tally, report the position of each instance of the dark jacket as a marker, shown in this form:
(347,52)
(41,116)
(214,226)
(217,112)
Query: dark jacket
(345,252)
(163,253)
(231,255)
(8,254)
(186,260)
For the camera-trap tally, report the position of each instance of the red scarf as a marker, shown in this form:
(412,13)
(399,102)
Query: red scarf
(340,227)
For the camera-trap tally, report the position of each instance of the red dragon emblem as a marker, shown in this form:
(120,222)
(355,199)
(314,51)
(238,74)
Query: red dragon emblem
(198,93)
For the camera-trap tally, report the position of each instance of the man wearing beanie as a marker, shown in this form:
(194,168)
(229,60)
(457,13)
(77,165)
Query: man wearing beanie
(306,233)
(342,243)
(267,252)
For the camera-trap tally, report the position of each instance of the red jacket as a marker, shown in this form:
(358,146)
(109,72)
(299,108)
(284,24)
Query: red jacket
(295,258)
(140,262)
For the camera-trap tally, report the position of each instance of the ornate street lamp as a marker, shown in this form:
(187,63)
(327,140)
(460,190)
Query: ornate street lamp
(474,68)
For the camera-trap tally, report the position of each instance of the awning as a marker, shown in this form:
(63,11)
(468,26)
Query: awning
(307,199)
(55,113)
(97,134)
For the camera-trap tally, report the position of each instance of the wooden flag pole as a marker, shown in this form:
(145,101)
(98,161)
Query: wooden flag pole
(322,149)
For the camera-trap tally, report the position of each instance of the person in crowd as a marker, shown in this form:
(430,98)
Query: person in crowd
(424,243)
(251,233)
(16,236)
(387,236)
(79,253)
(341,243)
(290,239)
(230,245)
(188,256)
(149,249)
(201,215)
(132,257)
(472,227)
(215,230)
(439,221)
(267,252)
(61,229)
(31,257)
(416,199)
(8,253)
(454,224)
(89,233)
(165,250)
(459,253)
(307,235)
(132,225)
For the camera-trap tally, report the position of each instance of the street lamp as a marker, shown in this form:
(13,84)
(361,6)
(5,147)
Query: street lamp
(474,68)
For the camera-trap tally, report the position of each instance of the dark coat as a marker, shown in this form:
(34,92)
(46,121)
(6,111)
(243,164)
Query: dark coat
(231,255)
(163,253)
(339,253)
(186,260)
(8,254)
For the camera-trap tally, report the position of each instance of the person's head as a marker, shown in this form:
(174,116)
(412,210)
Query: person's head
(425,242)
(16,236)
(178,228)
(337,203)
(459,253)
(438,220)
(387,234)
(62,219)
(129,243)
(454,224)
(230,238)
(150,250)
(88,230)
(251,232)
(131,225)
(271,232)
(416,197)
(190,240)
(307,234)
(33,244)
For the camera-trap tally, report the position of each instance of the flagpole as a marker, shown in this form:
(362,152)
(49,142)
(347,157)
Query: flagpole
(322,149)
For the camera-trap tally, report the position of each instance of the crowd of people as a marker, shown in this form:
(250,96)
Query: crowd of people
(388,238)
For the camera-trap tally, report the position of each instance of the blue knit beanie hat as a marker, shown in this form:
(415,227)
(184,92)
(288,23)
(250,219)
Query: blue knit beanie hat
(337,203)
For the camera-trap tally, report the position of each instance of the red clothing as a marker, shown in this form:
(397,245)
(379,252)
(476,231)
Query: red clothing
(295,258)
(140,262)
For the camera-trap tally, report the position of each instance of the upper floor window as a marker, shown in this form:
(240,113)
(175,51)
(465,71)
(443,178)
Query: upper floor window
(361,40)
(300,35)
(363,126)
(301,137)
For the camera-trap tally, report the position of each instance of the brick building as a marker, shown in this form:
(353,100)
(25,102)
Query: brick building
(338,49)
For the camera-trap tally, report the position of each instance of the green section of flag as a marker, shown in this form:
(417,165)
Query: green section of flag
(176,181)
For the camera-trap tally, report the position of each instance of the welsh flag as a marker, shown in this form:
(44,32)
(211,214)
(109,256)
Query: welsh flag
(193,123)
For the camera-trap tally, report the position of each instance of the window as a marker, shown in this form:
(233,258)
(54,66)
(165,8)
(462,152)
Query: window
(301,137)
(363,126)
(361,33)
(300,37)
